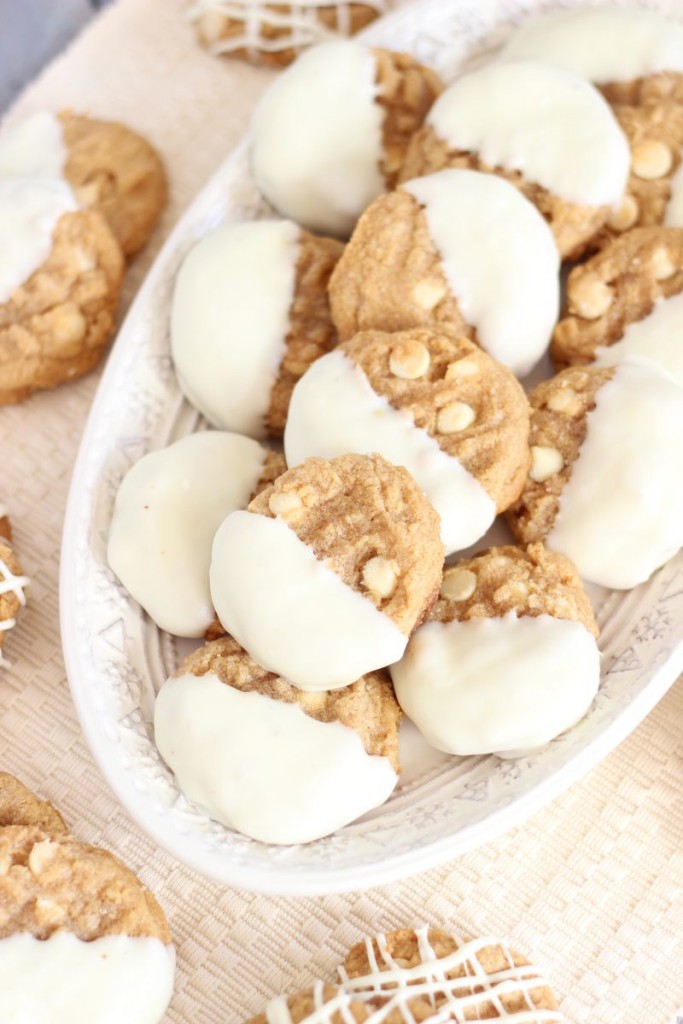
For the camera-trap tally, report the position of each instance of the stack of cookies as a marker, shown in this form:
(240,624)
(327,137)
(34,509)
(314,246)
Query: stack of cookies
(379,327)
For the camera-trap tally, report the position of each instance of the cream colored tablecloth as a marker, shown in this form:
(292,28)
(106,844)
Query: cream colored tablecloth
(591,888)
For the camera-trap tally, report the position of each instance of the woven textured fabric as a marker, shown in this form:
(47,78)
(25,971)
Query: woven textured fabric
(590,888)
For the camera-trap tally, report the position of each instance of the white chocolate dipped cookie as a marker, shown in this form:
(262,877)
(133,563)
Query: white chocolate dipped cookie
(438,405)
(506,659)
(459,251)
(13,583)
(629,52)
(545,130)
(605,486)
(425,974)
(331,132)
(167,510)
(263,757)
(341,555)
(250,313)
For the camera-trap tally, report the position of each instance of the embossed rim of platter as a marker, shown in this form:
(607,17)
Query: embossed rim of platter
(647,620)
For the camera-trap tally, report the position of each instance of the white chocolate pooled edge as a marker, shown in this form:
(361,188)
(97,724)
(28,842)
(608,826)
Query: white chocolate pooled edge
(263,766)
(33,148)
(288,610)
(167,510)
(65,980)
(509,294)
(493,685)
(335,410)
(230,317)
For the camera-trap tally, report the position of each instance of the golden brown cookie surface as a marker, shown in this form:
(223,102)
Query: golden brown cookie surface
(527,581)
(618,286)
(19,806)
(646,91)
(368,706)
(407,90)
(370,523)
(54,327)
(114,170)
(50,882)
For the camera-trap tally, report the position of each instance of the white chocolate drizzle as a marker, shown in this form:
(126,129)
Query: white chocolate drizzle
(10,584)
(277,1010)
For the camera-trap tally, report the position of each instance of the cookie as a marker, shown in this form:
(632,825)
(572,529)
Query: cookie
(19,806)
(323,1003)
(605,486)
(331,132)
(545,130)
(619,49)
(506,659)
(458,251)
(109,167)
(60,276)
(275,34)
(250,314)
(167,510)
(437,404)
(263,757)
(412,975)
(12,583)
(340,555)
(626,301)
(74,916)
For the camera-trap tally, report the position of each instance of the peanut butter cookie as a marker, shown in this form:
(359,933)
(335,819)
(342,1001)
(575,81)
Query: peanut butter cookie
(626,301)
(321,1003)
(426,400)
(344,552)
(323,171)
(457,251)
(19,806)
(224,717)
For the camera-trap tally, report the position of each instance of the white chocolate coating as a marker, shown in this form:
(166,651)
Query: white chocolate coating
(621,511)
(499,258)
(63,980)
(262,766)
(657,337)
(34,148)
(543,121)
(289,611)
(230,319)
(603,44)
(334,410)
(167,510)
(317,138)
(496,685)
(673,214)
(29,211)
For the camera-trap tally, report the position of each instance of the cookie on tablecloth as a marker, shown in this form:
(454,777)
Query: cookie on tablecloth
(12,582)
(506,659)
(323,1003)
(167,510)
(605,486)
(633,55)
(250,314)
(331,132)
(263,757)
(543,129)
(60,275)
(627,300)
(74,916)
(438,405)
(458,251)
(275,34)
(19,806)
(342,555)
(110,168)
(412,975)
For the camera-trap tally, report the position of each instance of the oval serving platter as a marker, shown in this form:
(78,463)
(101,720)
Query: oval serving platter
(117,659)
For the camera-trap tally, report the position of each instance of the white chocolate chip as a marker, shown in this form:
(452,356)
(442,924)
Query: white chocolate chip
(458,585)
(463,368)
(511,592)
(454,417)
(41,854)
(662,265)
(566,400)
(49,912)
(428,293)
(626,214)
(282,502)
(409,359)
(590,296)
(380,575)
(545,462)
(651,159)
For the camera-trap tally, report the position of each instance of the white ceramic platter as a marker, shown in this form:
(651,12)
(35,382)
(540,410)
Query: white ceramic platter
(117,659)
